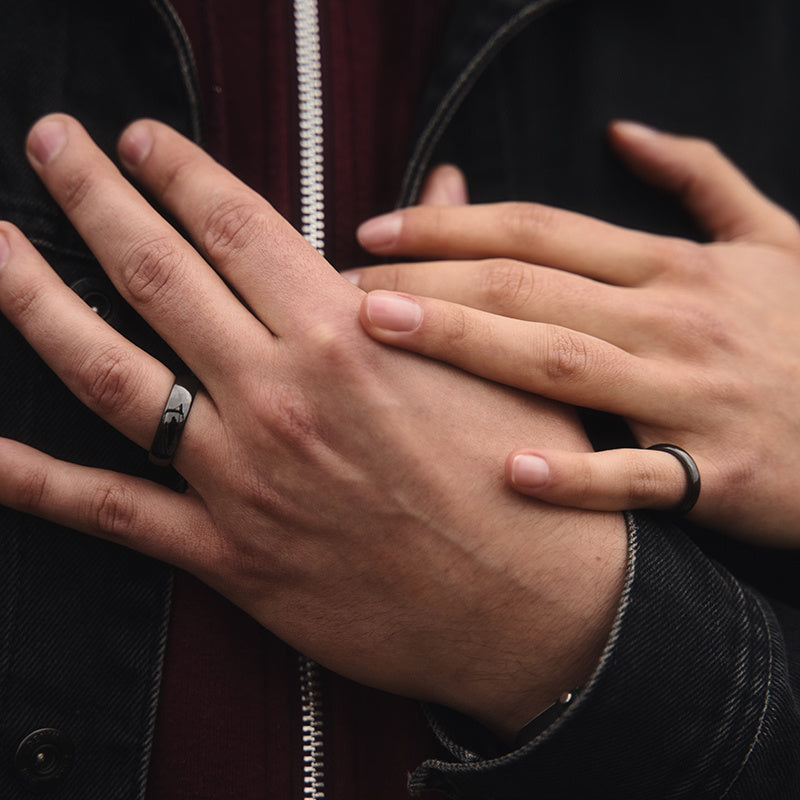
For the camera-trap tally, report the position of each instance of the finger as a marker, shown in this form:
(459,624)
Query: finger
(517,289)
(281,277)
(445,185)
(721,198)
(154,268)
(545,359)
(112,377)
(611,480)
(524,231)
(127,510)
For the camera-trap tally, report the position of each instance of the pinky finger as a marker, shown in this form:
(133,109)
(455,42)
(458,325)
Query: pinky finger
(130,511)
(611,480)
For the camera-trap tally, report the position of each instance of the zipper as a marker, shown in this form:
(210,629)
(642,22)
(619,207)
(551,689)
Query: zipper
(313,744)
(312,208)
(312,218)
(309,95)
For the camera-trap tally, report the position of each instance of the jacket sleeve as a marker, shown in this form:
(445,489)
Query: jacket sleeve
(692,698)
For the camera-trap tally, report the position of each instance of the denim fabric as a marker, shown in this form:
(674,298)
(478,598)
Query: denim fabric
(694,697)
(696,694)
(532,128)
(82,622)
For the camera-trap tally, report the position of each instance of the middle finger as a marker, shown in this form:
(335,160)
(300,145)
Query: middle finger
(153,267)
(519,290)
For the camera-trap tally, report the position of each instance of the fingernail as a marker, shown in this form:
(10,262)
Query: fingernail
(4,249)
(380,233)
(46,140)
(135,144)
(529,471)
(635,130)
(453,185)
(353,275)
(393,312)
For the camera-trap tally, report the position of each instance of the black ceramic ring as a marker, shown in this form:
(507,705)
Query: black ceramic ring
(173,420)
(692,476)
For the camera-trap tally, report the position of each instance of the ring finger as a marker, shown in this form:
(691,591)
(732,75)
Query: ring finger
(549,360)
(111,376)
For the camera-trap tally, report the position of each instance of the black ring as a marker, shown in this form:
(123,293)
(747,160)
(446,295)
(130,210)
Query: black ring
(173,420)
(692,476)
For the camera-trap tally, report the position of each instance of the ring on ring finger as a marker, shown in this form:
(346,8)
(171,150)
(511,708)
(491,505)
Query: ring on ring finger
(173,420)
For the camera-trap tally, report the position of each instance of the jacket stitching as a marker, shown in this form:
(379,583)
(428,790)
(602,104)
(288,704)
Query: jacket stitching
(455,95)
(765,704)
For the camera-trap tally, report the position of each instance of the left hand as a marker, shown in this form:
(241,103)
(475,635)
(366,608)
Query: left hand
(345,495)
(696,345)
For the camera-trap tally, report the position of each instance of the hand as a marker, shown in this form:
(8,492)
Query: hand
(696,345)
(343,494)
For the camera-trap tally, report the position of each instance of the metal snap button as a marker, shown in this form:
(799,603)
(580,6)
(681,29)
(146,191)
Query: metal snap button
(43,759)
(97,294)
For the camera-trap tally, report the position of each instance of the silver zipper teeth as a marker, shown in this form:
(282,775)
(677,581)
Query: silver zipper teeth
(312,211)
(313,750)
(309,91)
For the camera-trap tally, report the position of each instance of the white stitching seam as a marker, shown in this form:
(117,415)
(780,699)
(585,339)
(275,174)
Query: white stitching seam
(767,695)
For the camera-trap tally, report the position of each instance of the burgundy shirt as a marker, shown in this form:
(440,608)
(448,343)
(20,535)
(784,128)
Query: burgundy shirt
(228,718)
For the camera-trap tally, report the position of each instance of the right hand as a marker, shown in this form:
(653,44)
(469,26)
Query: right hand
(694,345)
(344,494)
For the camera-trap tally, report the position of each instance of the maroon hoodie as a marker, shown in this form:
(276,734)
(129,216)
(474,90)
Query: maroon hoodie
(229,716)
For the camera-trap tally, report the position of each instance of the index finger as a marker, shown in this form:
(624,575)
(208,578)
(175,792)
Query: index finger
(530,232)
(280,276)
(153,267)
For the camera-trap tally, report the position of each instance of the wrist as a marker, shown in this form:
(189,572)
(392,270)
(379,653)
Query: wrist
(564,653)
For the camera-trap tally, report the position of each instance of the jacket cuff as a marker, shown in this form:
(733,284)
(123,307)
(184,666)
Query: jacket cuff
(677,700)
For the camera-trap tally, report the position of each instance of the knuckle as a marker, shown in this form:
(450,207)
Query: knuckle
(112,510)
(337,347)
(281,413)
(699,263)
(150,267)
(704,150)
(675,256)
(232,225)
(704,327)
(567,357)
(256,491)
(30,489)
(456,327)
(582,483)
(787,228)
(644,483)
(525,220)
(695,330)
(742,471)
(506,284)
(106,377)
(725,394)
(23,303)
(389,277)
(74,187)
(172,181)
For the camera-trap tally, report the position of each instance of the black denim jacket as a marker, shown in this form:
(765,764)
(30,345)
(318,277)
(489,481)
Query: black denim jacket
(695,695)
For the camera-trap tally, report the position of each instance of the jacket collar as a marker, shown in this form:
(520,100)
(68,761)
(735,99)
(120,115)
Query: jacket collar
(477,31)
